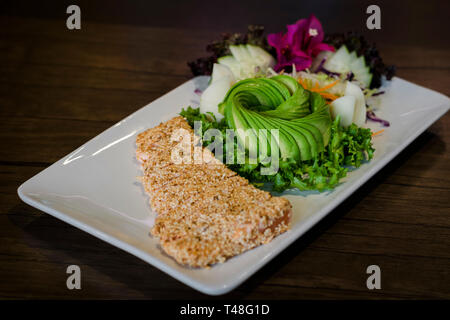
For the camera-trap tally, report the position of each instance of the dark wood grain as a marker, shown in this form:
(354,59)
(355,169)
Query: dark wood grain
(59,88)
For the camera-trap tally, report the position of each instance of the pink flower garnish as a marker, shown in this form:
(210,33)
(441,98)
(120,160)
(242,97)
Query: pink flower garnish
(301,43)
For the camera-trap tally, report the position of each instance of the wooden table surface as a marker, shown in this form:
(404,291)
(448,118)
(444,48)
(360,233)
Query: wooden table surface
(59,88)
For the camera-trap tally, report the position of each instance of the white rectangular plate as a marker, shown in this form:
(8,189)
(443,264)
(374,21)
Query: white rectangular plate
(95,188)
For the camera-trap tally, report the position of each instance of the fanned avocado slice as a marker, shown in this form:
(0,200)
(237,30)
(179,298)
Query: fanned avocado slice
(316,101)
(301,139)
(258,93)
(321,120)
(323,124)
(295,107)
(278,103)
(314,138)
(263,136)
(236,120)
(281,87)
(288,81)
(287,144)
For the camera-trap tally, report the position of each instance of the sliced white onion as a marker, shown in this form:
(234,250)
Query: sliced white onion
(220,72)
(344,107)
(359,116)
(213,95)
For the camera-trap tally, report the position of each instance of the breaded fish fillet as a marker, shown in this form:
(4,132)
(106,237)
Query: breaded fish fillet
(206,212)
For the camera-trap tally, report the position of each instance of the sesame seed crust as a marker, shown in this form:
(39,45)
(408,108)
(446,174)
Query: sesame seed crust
(206,212)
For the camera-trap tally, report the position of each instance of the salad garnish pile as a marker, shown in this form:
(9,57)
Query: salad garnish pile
(309,87)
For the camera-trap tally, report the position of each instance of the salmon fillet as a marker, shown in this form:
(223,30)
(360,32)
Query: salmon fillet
(206,212)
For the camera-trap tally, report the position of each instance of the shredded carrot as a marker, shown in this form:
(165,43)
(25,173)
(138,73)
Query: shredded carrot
(329,86)
(328,95)
(320,90)
(302,83)
(378,132)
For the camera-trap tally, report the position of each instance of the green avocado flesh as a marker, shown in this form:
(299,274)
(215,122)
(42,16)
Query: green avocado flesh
(301,117)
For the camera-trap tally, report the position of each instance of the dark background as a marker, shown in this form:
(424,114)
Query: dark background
(59,88)
(408,22)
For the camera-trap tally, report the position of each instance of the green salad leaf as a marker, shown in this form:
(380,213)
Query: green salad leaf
(348,148)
